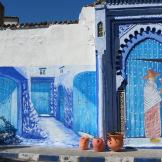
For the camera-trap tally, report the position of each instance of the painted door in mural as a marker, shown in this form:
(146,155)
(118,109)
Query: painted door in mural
(41,95)
(84,103)
(143,97)
(8,100)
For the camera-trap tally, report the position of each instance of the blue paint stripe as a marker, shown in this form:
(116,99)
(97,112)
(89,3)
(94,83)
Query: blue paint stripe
(91,159)
(147,160)
(9,155)
(48,158)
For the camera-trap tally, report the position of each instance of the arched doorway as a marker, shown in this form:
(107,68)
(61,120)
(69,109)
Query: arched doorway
(12,87)
(137,64)
(9,100)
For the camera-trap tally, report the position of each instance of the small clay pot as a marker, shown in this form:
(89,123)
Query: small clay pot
(115,141)
(98,144)
(83,143)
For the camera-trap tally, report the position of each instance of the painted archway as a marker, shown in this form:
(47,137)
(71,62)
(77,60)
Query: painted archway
(9,100)
(12,85)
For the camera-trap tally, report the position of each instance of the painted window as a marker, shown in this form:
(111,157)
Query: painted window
(42,71)
(100,29)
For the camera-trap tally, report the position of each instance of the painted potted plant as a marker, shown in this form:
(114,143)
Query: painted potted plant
(98,144)
(115,141)
(84,143)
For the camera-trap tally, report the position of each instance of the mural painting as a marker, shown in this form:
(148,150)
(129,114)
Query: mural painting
(152,101)
(143,92)
(46,105)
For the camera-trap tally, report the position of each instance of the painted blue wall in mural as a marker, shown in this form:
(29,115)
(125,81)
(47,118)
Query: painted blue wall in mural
(138,86)
(84,103)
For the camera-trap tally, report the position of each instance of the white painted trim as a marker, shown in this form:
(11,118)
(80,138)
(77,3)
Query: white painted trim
(133,5)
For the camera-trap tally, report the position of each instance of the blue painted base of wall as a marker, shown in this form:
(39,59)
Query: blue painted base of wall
(67,158)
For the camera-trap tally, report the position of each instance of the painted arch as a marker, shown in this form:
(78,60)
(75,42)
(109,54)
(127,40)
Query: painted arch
(11,87)
(145,46)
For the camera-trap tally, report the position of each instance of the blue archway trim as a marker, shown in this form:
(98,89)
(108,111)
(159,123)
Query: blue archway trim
(133,42)
(12,73)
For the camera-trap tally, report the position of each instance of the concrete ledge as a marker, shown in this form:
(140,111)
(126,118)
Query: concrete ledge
(76,155)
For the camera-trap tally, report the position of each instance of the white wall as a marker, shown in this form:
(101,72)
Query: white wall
(62,44)
(10,20)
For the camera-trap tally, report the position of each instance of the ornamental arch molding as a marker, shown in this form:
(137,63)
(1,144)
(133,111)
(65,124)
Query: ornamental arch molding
(130,42)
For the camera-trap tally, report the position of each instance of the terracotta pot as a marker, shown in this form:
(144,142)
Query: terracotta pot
(98,144)
(115,141)
(83,143)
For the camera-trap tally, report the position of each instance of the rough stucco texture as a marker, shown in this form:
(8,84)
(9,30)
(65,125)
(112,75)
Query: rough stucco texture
(64,44)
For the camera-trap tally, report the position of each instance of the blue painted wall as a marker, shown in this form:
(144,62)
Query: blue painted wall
(61,104)
(85,103)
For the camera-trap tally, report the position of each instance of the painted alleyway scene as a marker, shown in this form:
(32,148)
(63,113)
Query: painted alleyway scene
(47,105)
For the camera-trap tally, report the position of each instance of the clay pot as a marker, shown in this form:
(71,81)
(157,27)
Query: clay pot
(115,141)
(98,144)
(83,143)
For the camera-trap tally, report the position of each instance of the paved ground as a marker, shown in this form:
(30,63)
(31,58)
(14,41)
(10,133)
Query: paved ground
(54,154)
(58,135)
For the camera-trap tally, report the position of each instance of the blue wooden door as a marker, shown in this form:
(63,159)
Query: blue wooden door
(41,93)
(8,100)
(84,103)
(136,69)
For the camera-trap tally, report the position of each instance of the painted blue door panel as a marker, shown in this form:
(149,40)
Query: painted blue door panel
(41,102)
(8,100)
(135,72)
(41,93)
(84,103)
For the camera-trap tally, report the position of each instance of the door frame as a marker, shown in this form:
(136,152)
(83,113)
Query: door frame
(114,17)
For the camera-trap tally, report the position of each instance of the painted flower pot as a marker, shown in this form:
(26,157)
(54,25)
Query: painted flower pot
(98,144)
(115,141)
(83,143)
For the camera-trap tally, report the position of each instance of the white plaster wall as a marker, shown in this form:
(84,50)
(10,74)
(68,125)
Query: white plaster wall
(62,44)
(8,20)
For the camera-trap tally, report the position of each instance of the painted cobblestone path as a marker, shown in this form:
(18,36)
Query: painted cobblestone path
(58,134)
